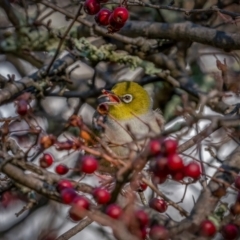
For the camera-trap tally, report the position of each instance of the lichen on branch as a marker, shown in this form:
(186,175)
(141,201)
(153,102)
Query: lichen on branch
(107,52)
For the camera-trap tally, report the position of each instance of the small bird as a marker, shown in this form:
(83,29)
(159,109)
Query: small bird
(127,117)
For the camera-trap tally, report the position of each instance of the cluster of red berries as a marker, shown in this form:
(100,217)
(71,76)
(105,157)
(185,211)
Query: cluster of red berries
(88,164)
(228,231)
(138,223)
(80,204)
(167,162)
(47,160)
(115,19)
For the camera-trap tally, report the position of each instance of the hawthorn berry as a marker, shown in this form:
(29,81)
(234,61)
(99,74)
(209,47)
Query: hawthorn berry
(207,228)
(175,162)
(63,184)
(192,170)
(177,176)
(22,107)
(159,179)
(138,185)
(237,182)
(142,218)
(158,232)
(47,141)
(230,232)
(170,146)
(143,233)
(160,168)
(114,211)
(102,18)
(61,169)
(101,195)
(46,160)
(158,204)
(73,215)
(155,147)
(88,164)
(114,25)
(120,15)
(67,195)
(79,204)
(91,7)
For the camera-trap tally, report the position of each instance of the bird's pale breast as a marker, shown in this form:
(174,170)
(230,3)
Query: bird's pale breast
(128,131)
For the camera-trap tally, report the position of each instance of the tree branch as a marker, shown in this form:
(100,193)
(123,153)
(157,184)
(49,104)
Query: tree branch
(186,31)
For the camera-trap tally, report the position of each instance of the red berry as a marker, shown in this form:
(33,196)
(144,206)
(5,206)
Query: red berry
(142,218)
(114,24)
(61,169)
(143,233)
(170,146)
(47,141)
(138,185)
(22,107)
(91,7)
(207,228)
(158,204)
(114,211)
(46,160)
(79,204)
(230,232)
(120,15)
(237,182)
(102,18)
(101,195)
(160,167)
(159,179)
(192,170)
(158,232)
(88,164)
(177,176)
(63,184)
(175,163)
(155,147)
(143,186)
(67,195)
(74,216)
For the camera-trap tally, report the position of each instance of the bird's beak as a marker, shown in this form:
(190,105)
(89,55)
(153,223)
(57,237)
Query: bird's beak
(108,97)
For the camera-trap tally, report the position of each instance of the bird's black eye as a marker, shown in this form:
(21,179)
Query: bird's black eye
(127,98)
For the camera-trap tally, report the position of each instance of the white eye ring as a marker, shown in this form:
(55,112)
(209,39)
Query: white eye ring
(127,98)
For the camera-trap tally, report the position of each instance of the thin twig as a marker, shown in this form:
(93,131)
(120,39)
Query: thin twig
(63,39)
(76,229)
(180,209)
